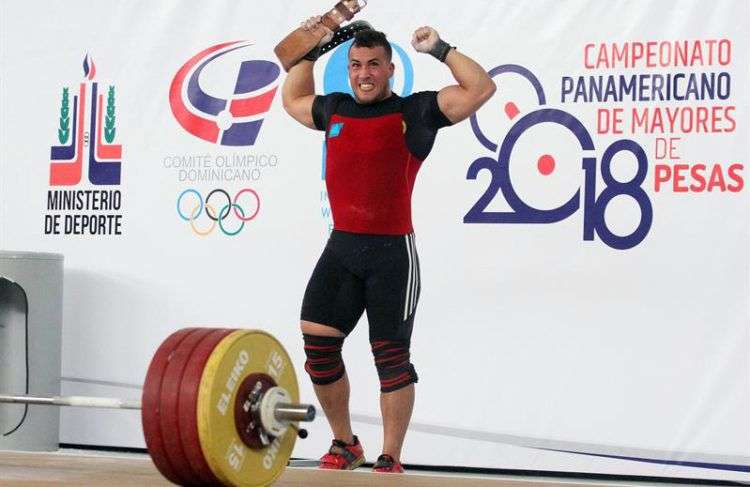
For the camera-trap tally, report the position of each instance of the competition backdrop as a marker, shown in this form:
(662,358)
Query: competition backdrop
(583,239)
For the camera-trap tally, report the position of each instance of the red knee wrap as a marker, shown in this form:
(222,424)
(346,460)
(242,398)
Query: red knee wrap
(324,364)
(392,361)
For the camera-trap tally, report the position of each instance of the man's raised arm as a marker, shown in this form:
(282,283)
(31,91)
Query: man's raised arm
(298,91)
(474,86)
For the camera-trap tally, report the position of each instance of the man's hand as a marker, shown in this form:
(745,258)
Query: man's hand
(315,25)
(424,39)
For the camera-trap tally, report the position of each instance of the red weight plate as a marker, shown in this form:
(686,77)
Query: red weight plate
(188,405)
(150,405)
(170,394)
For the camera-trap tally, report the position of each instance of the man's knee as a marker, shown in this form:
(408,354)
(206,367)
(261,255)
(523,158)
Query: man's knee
(312,328)
(392,362)
(324,363)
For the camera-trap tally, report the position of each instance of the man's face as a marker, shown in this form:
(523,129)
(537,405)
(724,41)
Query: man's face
(369,72)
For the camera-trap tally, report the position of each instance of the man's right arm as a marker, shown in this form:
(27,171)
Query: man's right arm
(298,93)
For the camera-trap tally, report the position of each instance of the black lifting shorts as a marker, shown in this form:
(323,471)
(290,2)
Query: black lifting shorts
(374,273)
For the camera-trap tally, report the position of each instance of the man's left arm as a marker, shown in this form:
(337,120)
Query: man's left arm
(474,87)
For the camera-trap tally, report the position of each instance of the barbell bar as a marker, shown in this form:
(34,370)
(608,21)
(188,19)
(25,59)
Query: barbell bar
(75,401)
(283,411)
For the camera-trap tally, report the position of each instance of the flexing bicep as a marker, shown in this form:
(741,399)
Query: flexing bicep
(301,110)
(454,103)
(457,103)
(298,93)
(473,89)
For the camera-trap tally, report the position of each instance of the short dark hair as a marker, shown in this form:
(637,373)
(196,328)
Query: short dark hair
(373,38)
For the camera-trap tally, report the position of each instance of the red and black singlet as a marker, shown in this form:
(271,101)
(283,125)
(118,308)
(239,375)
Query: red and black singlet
(373,153)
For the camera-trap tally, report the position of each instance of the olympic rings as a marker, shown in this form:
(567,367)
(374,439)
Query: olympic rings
(194,215)
(210,210)
(242,225)
(257,208)
(222,211)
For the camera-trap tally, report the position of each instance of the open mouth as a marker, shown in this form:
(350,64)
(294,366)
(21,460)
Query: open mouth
(366,87)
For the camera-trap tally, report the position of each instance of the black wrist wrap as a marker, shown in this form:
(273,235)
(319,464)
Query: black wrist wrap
(440,50)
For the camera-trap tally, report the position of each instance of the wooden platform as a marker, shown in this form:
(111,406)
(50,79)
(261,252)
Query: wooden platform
(67,469)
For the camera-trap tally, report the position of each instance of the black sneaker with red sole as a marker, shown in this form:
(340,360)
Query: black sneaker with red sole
(386,464)
(343,456)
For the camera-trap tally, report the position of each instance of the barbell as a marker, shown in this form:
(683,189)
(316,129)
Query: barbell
(216,408)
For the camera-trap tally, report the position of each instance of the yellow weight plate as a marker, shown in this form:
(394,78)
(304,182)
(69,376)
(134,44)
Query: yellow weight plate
(237,356)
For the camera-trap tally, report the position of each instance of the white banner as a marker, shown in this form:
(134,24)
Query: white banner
(583,239)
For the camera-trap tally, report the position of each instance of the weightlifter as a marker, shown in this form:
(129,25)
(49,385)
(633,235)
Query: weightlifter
(376,143)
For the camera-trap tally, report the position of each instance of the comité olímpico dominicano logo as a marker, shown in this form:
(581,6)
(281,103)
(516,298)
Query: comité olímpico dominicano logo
(222,95)
(231,119)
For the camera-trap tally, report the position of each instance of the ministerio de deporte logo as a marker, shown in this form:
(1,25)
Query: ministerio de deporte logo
(87,134)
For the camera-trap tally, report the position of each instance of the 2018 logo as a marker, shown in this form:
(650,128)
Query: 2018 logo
(233,120)
(594,205)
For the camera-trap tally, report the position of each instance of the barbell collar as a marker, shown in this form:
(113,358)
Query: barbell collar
(294,412)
